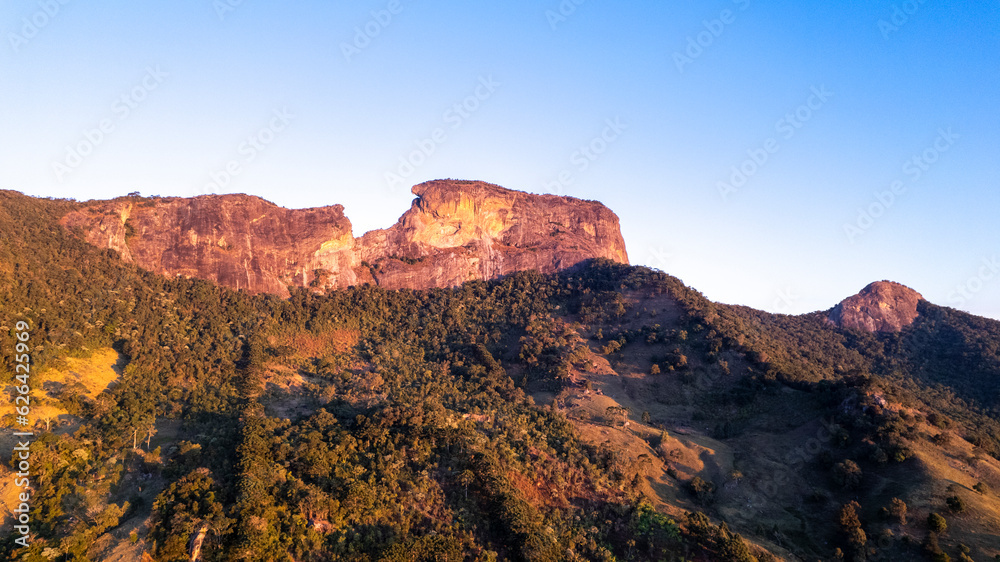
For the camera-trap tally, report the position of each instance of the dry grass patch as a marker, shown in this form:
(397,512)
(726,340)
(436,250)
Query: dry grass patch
(84,376)
(88,376)
(307,344)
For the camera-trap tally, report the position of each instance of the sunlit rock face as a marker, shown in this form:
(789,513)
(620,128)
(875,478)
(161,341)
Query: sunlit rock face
(883,306)
(454,231)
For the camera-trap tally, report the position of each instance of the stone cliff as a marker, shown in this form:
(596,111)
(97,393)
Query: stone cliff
(883,306)
(454,231)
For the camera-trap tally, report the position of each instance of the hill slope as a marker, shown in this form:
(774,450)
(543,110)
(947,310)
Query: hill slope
(603,413)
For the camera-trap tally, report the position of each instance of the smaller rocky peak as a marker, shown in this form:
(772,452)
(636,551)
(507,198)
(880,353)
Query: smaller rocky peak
(883,306)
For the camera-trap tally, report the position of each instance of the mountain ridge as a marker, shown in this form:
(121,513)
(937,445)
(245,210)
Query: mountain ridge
(612,401)
(454,231)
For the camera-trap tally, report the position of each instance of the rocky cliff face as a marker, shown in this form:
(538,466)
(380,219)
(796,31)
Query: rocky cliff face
(883,306)
(455,231)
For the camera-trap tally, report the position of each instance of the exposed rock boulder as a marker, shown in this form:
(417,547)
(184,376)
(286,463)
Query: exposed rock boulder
(883,306)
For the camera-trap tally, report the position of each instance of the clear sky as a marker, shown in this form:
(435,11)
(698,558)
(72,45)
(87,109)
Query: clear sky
(763,152)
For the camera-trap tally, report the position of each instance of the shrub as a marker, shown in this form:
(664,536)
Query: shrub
(955,504)
(850,525)
(611,347)
(938,420)
(932,548)
(847,474)
(703,491)
(897,510)
(699,525)
(732,546)
(878,455)
(936,523)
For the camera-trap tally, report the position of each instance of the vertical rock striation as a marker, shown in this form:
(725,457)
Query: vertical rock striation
(454,231)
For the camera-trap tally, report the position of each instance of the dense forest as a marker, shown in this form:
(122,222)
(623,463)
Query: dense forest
(432,425)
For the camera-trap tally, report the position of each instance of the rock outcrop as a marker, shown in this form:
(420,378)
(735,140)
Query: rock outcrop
(455,231)
(883,306)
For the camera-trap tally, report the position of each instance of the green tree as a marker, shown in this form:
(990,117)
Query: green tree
(615,412)
(933,549)
(850,526)
(703,491)
(733,548)
(847,474)
(897,510)
(466,478)
(955,504)
(936,523)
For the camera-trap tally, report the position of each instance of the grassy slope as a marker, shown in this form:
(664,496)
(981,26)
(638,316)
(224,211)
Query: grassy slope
(770,484)
(89,374)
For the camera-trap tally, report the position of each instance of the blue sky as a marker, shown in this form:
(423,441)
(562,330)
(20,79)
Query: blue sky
(762,152)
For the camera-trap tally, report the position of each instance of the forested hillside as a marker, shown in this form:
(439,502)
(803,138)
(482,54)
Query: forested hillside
(603,413)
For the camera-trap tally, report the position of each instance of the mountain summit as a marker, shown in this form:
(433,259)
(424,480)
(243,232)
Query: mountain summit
(883,306)
(455,231)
